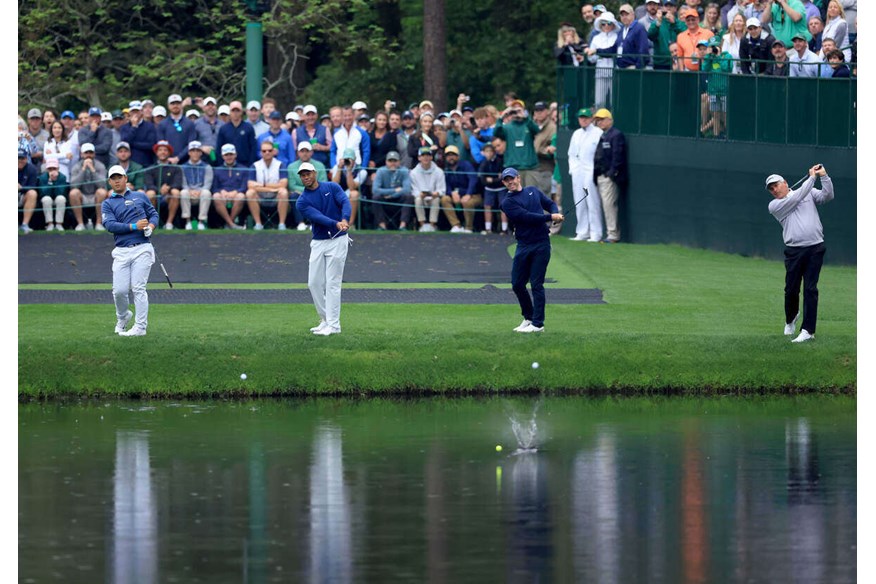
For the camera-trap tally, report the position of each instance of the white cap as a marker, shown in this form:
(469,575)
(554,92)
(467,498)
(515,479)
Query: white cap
(228,149)
(253,105)
(173,97)
(116,170)
(291,116)
(360,105)
(752,22)
(224,109)
(159,110)
(773,178)
(306,166)
(305,145)
(87,147)
(193,112)
(194,145)
(310,108)
(135,105)
(106,117)
(209,100)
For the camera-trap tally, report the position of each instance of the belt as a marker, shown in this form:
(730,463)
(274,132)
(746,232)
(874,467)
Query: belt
(134,244)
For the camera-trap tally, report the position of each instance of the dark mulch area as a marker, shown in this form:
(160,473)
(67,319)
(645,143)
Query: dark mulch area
(161,294)
(270,257)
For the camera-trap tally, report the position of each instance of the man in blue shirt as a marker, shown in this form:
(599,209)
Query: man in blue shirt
(525,208)
(27,195)
(325,206)
(229,187)
(280,138)
(392,183)
(178,130)
(462,189)
(240,133)
(131,218)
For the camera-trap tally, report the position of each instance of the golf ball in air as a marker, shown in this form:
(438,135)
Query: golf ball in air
(535,364)
(498,448)
(243,375)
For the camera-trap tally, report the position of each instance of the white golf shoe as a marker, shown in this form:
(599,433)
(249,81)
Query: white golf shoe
(803,337)
(457,229)
(136,331)
(522,325)
(122,323)
(580,238)
(327,330)
(531,328)
(322,324)
(791,326)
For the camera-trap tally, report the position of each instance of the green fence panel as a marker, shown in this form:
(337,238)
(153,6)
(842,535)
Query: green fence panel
(655,107)
(834,100)
(772,107)
(626,95)
(684,97)
(742,108)
(802,128)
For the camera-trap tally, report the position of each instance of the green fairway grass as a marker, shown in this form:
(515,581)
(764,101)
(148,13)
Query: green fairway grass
(675,320)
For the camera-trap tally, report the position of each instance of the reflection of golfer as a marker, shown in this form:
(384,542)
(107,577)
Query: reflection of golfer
(804,244)
(526,208)
(326,207)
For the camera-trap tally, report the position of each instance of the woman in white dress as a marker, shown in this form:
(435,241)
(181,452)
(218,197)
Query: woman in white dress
(605,39)
(734,36)
(60,146)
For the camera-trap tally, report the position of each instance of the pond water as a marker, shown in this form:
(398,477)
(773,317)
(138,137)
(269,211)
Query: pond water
(327,490)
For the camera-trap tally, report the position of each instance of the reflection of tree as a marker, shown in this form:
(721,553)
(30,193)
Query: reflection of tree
(694,526)
(331,545)
(135,515)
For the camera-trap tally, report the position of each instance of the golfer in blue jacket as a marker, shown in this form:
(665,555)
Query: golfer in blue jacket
(326,207)
(525,208)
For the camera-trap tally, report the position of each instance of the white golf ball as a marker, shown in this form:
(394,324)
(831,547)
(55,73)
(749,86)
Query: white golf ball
(535,364)
(243,375)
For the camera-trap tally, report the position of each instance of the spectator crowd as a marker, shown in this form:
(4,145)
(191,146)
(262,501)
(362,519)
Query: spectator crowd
(412,169)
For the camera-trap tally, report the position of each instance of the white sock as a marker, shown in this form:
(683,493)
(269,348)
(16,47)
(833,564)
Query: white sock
(504,226)
(488,225)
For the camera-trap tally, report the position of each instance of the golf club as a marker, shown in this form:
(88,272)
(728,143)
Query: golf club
(161,265)
(805,176)
(586,194)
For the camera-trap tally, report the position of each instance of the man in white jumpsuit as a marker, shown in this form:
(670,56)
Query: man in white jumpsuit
(588,205)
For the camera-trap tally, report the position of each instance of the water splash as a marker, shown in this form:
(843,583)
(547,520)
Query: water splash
(525,431)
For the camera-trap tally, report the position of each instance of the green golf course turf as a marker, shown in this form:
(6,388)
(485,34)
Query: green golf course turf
(676,320)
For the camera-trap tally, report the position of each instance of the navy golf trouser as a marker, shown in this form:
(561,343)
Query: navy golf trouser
(530,265)
(803,264)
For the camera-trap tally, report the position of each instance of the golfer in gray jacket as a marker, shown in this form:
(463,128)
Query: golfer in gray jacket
(804,244)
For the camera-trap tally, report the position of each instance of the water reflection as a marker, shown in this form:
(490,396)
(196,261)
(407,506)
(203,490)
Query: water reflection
(331,540)
(135,516)
(530,529)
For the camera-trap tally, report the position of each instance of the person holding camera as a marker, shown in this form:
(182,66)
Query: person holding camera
(350,178)
(519,131)
(803,235)
(569,51)
(786,18)
(663,32)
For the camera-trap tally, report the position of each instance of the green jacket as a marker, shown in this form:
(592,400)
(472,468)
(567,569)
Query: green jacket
(295,184)
(520,150)
(136,176)
(52,189)
(719,68)
(662,36)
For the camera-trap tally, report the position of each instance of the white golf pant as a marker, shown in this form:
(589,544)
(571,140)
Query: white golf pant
(327,259)
(588,211)
(203,203)
(131,267)
(60,207)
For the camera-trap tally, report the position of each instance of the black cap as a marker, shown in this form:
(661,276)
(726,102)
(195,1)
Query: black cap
(408,115)
(539,106)
(778,42)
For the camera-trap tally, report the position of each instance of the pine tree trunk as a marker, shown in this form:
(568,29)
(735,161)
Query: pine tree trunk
(434,53)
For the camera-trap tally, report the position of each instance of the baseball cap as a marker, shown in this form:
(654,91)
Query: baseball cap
(164,143)
(798,35)
(193,112)
(224,109)
(228,149)
(518,103)
(669,2)
(539,106)
(442,115)
(310,109)
(298,107)
(306,166)
(208,100)
(359,105)
(36,113)
(467,108)
(703,42)
(291,116)
(625,8)
(106,117)
(599,8)
(425,150)
(425,103)
(159,111)
(92,111)
(773,178)
(451,150)
(602,113)
(68,114)
(509,173)
(275,115)
(194,145)
(455,112)
(652,1)
(173,98)
(235,105)
(392,155)
(305,145)
(134,105)
(752,22)
(53,163)
(689,12)
(118,115)
(87,147)
(408,115)
(349,154)
(252,104)
(22,153)
(123,145)
(778,42)
(117,169)
(147,101)
(585,112)
(324,117)
(363,117)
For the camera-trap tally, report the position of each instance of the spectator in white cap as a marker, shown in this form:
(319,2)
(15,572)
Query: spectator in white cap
(755,50)
(158,115)
(224,113)
(315,133)
(207,128)
(88,177)
(148,109)
(296,187)
(197,182)
(804,245)
(140,135)
(177,130)
(136,178)
(37,132)
(359,108)
(229,187)
(193,115)
(53,189)
(253,116)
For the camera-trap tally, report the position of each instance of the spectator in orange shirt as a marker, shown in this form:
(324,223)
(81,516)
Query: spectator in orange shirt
(687,40)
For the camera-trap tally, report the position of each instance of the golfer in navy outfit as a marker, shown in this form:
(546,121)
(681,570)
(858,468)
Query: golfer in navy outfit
(130,217)
(525,208)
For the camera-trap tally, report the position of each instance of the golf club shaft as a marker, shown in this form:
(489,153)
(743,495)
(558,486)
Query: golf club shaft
(161,265)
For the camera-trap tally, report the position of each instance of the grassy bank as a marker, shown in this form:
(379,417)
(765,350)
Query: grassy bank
(675,319)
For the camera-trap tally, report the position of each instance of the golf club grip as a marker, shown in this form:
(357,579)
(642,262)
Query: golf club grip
(169,283)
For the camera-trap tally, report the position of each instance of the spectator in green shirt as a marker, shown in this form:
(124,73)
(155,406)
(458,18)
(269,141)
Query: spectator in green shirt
(786,18)
(519,131)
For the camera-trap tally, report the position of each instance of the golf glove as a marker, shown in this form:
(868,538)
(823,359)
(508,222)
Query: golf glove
(147,232)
